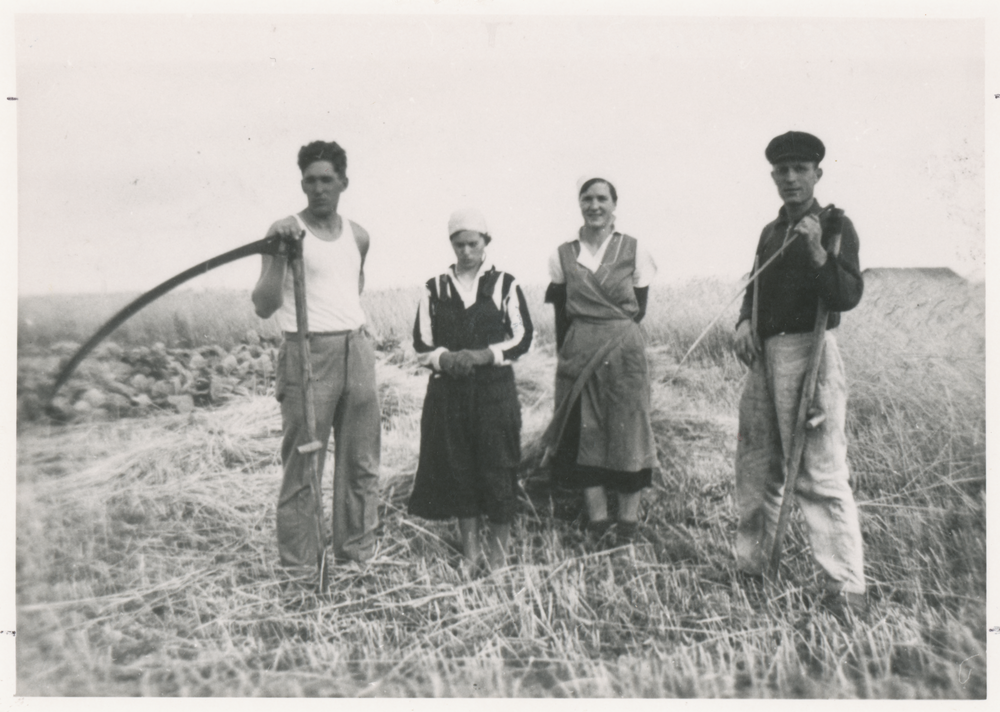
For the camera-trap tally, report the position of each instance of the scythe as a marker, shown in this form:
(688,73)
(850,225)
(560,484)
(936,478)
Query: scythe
(804,420)
(267,246)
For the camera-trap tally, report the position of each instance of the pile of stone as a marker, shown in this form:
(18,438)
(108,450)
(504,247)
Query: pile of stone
(115,382)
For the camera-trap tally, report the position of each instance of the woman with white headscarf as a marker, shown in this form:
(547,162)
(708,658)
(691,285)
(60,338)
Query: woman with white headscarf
(472,323)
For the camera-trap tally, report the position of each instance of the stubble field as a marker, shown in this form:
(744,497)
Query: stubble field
(147,565)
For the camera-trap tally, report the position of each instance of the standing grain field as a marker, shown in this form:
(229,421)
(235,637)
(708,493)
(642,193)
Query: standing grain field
(146,560)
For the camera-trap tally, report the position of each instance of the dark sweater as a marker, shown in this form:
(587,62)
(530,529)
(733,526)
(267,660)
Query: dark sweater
(790,286)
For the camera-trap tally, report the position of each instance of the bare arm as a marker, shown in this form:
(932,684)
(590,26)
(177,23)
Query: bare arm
(267,295)
(363,240)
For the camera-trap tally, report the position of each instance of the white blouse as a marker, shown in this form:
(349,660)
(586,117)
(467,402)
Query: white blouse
(645,267)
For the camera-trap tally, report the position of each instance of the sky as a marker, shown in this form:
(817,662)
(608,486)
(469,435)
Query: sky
(147,143)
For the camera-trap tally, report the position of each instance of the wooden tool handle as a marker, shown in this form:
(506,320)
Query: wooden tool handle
(310,447)
(793,460)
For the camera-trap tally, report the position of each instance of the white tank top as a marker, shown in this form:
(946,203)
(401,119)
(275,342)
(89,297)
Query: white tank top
(332,270)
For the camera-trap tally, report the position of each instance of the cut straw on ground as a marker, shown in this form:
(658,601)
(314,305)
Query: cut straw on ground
(147,564)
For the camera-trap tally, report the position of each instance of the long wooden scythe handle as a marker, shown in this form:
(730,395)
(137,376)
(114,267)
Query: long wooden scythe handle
(793,459)
(267,246)
(311,446)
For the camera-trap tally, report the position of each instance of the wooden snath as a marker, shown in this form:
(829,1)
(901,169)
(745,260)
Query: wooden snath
(310,446)
(803,423)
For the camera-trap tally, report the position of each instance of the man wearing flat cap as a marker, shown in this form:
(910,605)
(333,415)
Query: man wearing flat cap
(774,337)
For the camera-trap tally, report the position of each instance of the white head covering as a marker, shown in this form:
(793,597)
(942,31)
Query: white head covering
(603,175)
(467,219)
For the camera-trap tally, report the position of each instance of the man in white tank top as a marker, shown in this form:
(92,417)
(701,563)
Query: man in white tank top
(343,363)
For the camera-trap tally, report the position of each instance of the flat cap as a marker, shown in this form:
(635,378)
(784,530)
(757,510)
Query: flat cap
(795,144)
(467,219)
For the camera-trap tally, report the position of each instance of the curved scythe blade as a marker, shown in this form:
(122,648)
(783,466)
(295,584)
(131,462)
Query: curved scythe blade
(269,245)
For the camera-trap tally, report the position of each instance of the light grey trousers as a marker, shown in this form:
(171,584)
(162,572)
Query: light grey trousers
(346,403)
(823,490)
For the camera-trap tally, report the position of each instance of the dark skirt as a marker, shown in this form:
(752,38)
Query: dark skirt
(470,447)
(569,474)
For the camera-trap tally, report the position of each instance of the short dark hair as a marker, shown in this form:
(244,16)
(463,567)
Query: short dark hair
(611,188)
(323,151)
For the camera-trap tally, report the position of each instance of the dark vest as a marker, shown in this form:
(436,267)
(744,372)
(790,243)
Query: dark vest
(455,327)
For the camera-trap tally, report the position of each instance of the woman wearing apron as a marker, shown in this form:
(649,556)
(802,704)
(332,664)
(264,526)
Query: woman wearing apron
(471,324)
(601,436)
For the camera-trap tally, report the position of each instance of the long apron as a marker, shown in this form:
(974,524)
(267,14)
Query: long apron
(470,429)
(603,363)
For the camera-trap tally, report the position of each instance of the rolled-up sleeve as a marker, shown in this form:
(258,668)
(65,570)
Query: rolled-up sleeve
(556,275)
(746,307)
(839,280)
(645,267)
